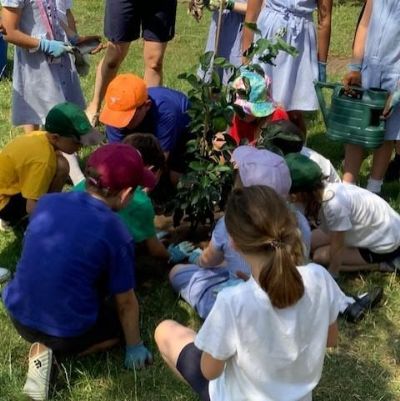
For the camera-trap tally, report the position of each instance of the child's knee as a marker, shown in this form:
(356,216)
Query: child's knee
(162,332)
(321,256)
(172,273)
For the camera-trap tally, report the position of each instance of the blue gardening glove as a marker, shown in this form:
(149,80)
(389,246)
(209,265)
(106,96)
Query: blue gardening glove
(180,251)
(195,256)
(53,48)
(321,71)
(137,356)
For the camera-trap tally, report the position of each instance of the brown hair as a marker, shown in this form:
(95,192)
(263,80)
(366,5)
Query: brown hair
(260,223)
(149,148)
(93,184)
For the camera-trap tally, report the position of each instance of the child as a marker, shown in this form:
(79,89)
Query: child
(130,107)
(264,339)
(292,77)
(138,215)
(76,255)
(376,63)
(31,165)
(254,106)
(288,138)
(358,227)
(220,265)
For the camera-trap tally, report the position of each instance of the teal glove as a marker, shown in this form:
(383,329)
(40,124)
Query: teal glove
(195,256)
(137,356)
(321,71)
(180,251)
(53,48)
(214,5)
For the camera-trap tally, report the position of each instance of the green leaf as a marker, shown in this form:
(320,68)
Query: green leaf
(205,60)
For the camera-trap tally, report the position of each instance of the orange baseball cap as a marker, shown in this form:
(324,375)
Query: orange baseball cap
(125,93)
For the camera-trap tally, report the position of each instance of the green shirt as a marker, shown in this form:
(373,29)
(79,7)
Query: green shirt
(138,215)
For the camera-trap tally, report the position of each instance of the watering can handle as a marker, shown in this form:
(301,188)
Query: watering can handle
(318,89)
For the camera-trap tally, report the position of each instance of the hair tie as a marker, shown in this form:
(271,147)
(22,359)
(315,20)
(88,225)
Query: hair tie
(94,181)
(276,244)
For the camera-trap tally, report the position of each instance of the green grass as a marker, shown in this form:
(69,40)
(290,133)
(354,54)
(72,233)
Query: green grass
(363,368)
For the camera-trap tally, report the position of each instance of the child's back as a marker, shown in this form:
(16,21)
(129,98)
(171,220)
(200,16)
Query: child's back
(274,354)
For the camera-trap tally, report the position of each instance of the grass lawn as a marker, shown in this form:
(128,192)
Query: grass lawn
(363,368)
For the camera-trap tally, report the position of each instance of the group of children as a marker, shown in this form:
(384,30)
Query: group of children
(269,308)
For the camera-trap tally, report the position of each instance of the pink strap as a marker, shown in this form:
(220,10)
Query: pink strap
(45,19)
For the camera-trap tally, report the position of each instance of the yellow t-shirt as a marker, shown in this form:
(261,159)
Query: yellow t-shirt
(27,166)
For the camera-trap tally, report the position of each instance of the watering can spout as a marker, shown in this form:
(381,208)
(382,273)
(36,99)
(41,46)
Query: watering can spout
(319,85)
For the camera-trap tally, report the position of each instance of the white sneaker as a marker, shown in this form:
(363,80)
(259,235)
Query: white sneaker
(4,274)
(38,377)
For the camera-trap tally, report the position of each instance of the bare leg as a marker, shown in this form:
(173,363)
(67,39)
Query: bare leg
(62,172)
(381,160)
(106,71)
(171,337)
(353,158)
(352,260)
(319,239)
(100,347)
(30,127)
(153,54)
(296,117)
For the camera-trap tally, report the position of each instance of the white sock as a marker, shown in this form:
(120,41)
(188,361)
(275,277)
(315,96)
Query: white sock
(75,172)
(374,186)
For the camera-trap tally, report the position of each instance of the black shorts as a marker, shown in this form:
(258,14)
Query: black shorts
(128,20)
(188,365)
(14,211)
(107,327)
(372,257)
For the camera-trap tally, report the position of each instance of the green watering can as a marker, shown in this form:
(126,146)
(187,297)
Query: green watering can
(354,117)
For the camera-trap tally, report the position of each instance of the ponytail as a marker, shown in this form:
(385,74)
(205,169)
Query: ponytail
(260,223)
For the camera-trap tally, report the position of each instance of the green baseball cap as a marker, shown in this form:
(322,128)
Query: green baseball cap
(304,172)
(69,120)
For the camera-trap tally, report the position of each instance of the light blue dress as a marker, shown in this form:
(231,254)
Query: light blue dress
(38,85)
(230,39)
(292,77)
(381,64)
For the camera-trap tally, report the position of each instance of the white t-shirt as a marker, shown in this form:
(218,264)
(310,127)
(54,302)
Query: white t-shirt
(271,354)
(325,164)
(368,220)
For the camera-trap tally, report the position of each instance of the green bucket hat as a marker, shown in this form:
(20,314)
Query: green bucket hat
(252,93)
(304,172)
(68,120)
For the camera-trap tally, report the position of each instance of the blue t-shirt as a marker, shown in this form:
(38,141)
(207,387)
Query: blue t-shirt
(76,251)
(167,119)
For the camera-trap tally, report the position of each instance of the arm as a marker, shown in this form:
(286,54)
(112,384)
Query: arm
(336,251)
(354,76)
(333,334)
(30,205)
(324,28)
(211,257)
(10,18)
(211,367)
(156,248)
(252,13)
(128,312)
(240,7)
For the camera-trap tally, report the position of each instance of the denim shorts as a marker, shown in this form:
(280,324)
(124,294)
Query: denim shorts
(128,20)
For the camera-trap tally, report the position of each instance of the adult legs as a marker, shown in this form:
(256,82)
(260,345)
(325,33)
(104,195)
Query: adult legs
(153,54)
(106,71)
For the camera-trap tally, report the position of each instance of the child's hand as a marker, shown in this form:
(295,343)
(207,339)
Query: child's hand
(195,256)
(53,48)
(137,356)
(392,102)
(352,78)
(180,251)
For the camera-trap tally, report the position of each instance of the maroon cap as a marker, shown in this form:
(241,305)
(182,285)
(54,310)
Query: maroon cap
(120,166)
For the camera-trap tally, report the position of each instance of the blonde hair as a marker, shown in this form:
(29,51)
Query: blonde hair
(260,223)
